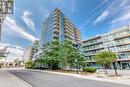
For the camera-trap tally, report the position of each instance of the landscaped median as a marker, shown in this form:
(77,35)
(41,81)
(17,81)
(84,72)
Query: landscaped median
(123,78)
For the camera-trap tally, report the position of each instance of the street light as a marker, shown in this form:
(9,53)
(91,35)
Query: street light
(75,46)
(6,7)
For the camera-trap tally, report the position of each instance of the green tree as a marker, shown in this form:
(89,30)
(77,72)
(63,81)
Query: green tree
(51,54)
(16,61)
(66,54)
(3,52)
(105,58)
(60,55)
(29,64)
(70,56)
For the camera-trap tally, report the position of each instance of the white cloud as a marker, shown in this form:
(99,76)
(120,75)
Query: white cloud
(102,16)
(15,51)
(10,23)
(105,13)
(124,2)
(26,17)
(123,18)
(92,14)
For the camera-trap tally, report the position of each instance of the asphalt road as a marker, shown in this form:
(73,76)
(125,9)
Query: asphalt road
(40,79)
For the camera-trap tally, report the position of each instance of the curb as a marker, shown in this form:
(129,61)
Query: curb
(20,79)
(78,76)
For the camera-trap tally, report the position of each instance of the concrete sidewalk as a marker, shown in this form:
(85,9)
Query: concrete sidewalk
(9,80)
(123,80)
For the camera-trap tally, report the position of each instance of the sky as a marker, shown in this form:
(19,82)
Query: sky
(92,17)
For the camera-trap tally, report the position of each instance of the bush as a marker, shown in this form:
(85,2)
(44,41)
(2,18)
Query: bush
(29,64)
(91,70)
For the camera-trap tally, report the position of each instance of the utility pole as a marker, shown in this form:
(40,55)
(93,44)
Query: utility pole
(6,7)
(76,61)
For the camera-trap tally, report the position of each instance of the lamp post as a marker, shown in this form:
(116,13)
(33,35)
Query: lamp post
(6,7)
(76,61)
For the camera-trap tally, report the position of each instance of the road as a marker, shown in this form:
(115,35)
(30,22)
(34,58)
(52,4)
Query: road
(41,79)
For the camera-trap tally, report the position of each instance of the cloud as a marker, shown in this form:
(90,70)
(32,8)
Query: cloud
(15,51)
(105,13)
(3,45)
(116,11)
(10,23)
(123,3)
(102,16)
(123,18)
(26,17)
(92,14)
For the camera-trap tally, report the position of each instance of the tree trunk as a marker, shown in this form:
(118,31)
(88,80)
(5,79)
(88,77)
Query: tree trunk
(105,69)
(71,66)
(115,69)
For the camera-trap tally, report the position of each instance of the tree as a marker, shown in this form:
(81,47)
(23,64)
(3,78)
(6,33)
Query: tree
(29,64)
(105,58)
(59,55)
(16,61)
(65,53)
(3,52)
(51,54)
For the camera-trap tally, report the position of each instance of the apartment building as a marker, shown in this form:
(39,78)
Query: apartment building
(58,26)
(117,40)
(30,51)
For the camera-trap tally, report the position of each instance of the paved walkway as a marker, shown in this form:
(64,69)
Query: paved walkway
(9,80)
(121,79)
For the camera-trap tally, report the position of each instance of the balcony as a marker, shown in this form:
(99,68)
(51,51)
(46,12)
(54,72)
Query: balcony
(94,48)
(69,36)
(92,43)
(56,31)
(90,54)
(55,35)
(56,19)
(121,36)
(122,43)
(56,26)
(56,22)
(70,33)
(123,50)
(56,15)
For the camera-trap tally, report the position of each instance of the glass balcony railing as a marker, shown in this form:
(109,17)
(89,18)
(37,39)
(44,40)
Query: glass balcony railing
(91,43)
(94,48)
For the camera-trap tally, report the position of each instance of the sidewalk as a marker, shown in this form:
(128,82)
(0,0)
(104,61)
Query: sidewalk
(120,80)
(9,80)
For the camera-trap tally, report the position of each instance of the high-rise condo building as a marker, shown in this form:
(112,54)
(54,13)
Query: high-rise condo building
(30,51)
(118,41)
(58,26)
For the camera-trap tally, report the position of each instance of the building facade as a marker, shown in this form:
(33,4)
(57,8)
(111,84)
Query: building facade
(58,26)
(118,41)
(30,51)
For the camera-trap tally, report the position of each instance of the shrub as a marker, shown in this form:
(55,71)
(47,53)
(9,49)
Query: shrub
(92,70)
(29,64)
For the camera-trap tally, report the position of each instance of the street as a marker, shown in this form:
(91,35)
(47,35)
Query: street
(41,79)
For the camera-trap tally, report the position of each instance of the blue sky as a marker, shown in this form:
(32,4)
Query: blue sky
(92,17)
